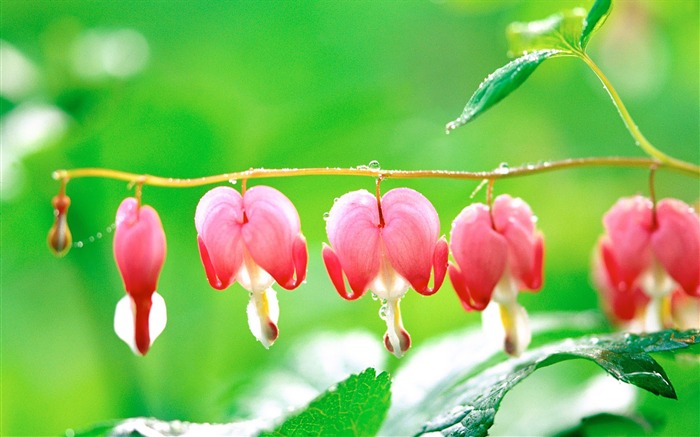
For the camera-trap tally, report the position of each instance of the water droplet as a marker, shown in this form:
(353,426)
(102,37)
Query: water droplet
(91,239)
(233,181)
(325,216)
(373,165)
(79,244)
(382,311)
(374,296)
(99,235)
(502,168)
(335,200)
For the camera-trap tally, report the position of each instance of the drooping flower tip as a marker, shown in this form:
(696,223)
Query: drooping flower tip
(386,246)
(59,237)
(139,323)
(404,341)
(263,313)
(254,239)
(139,250)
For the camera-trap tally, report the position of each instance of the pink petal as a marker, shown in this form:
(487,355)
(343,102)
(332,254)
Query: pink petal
(514,220)
(628,225)
(218,219)
(621,304)
(353,231)
(508,212)
(480,253)
(335,271)
(139,247)
(676,243)
(272,235)
(410,234)
(460,286)
(440,256)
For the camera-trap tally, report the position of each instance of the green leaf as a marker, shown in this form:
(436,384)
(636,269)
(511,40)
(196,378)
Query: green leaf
(499,84)
(594,20)
(149,426)
(609,424)
(468,408)
(100,430)
(445,361)
(561,31)
(356,407)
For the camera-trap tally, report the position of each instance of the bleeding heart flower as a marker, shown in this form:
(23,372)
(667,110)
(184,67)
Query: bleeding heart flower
(649,252)
(386,246)
(497,252)
(139,249)
(256,240)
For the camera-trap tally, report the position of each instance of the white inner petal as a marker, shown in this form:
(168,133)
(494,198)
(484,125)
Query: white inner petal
(262,309)
(125,321)
(388,284)
(252,277)
(655,282)
(505,320)
(394,325)
(158,317)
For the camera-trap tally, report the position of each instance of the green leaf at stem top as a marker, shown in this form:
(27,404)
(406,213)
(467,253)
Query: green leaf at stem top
(564,34)
(561,31)
(594,20)
(355,407)
(499,84)
(568,31)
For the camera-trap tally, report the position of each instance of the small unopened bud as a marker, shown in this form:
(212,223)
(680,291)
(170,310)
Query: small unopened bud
(60,238)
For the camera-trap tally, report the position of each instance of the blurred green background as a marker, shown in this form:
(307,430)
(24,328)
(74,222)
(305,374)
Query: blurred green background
(187,89)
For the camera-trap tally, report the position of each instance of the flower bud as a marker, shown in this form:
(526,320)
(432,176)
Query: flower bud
(60,238)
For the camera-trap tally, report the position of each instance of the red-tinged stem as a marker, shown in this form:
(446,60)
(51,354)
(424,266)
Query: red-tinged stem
(378,194)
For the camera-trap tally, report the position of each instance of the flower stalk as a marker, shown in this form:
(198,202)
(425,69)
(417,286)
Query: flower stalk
(500,173)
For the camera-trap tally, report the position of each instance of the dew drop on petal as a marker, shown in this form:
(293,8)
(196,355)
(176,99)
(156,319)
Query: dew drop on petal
(325,216)
(373,165)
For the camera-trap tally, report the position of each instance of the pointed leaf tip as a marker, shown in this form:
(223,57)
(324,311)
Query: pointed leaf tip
(499,85)
(594,20)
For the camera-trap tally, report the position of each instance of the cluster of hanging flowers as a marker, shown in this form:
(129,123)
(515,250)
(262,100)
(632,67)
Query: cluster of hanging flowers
(646,266)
